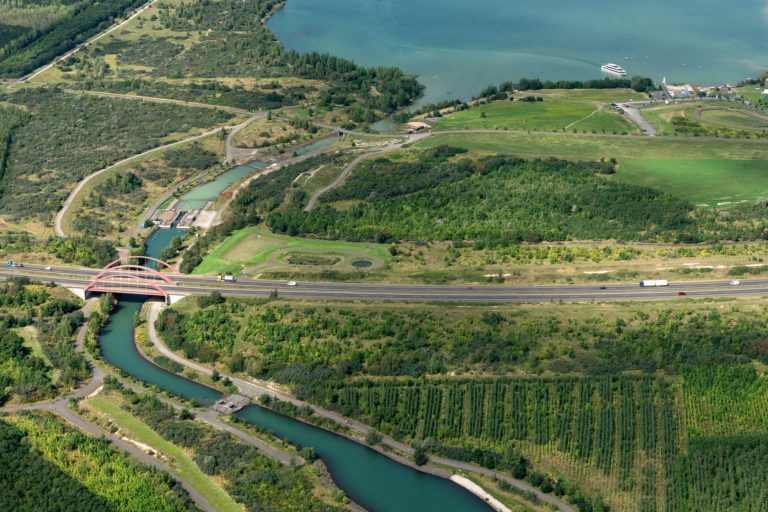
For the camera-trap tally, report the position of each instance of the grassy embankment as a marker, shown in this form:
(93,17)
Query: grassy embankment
(181,461)
(255,248)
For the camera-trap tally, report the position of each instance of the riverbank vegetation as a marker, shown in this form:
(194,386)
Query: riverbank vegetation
(616,398)
(47,466)
(70,136)
(37,348)
(253,480)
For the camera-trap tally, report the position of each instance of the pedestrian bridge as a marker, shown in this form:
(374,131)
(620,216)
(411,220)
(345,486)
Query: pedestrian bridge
(133,275)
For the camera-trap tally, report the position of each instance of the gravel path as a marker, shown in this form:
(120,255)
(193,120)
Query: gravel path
(253,389)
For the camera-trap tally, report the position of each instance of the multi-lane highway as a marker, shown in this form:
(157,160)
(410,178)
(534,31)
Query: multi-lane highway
(188,285)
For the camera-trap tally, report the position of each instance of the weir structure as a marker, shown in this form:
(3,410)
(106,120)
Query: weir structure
(133,275)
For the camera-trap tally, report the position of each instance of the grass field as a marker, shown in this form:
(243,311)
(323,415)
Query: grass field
(256,246)
(700,171)
(571,110)
(180,460)
(701,181)
(710,114)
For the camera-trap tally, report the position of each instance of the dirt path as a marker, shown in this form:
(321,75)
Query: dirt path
(354,163)
(155,99)
(60,406)
(254,389)
(91,40)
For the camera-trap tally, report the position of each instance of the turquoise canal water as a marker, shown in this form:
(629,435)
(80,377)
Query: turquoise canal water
(376,482)
(198,197)
(457,47)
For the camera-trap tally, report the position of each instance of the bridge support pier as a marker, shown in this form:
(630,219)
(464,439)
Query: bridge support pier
(79,292)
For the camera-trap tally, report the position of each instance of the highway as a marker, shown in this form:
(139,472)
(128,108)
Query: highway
(244,287)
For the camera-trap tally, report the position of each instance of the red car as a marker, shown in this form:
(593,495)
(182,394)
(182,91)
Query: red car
(682,293)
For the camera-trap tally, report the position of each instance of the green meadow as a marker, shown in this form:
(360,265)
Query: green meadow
(702,171)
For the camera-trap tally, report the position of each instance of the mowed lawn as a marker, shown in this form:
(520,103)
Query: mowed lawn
(701,181)
(544,115)
(253,246)
(700,171)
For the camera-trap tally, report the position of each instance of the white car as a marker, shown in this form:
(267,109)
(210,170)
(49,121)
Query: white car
(735,283)
(48,267)
(291,283)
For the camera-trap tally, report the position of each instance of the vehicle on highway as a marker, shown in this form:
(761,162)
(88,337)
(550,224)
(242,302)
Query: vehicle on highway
(682,293)
(603,288)
(291,283)
(12,263)
(227,278)
(735,283)
(653,282)
(48,267)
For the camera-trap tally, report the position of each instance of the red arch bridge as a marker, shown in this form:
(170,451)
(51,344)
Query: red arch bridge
(135,275)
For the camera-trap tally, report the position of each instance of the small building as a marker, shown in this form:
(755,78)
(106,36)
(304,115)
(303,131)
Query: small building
(416,126)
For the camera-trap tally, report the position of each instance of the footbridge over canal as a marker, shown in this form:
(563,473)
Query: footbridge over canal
(132,275)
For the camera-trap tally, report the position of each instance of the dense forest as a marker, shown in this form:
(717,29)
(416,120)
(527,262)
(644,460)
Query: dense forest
(49,29)
(70,136)
(48,467)
(50,321)
(250,477)
(308,343)
(502,201)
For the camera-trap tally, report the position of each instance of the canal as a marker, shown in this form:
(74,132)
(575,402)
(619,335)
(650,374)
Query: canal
(375,481)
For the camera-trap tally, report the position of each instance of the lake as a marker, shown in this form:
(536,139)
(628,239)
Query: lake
(457,47)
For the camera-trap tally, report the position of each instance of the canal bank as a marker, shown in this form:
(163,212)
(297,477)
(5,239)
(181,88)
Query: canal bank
(373,480)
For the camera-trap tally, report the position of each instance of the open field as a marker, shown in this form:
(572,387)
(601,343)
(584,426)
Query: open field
(256,248)
(563,111)
(706,117)
(700,171)
(181,461)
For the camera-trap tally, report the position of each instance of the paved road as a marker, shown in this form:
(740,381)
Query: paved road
(354,163)
(188,285)
(58,222)
(255,389)
(92,40)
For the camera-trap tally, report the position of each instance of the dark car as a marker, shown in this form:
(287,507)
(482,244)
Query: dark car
(682,293)
(603,288)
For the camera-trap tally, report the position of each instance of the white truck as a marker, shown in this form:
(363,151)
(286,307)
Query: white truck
(227,278)
(646,283)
